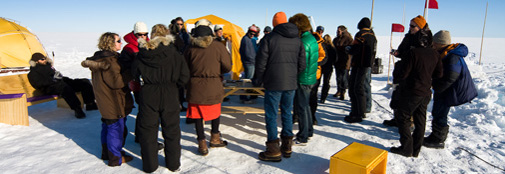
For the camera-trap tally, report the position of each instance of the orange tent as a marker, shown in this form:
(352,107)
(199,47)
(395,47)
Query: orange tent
(17,44)
(235,32)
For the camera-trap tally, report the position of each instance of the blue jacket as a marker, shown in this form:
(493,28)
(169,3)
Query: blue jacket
(456,87)
(247,51)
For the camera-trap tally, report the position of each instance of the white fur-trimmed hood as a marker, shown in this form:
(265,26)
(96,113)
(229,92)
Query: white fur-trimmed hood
(33,63)
(155,42)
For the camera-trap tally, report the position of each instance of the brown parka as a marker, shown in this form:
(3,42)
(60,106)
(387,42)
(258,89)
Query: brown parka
(340,42)
(107,83)
(207,60)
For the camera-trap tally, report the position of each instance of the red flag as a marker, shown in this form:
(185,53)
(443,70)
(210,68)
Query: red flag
(397,28)
(433,4)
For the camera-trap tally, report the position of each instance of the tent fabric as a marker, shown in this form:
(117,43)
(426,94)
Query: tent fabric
(17,44)
(236,34)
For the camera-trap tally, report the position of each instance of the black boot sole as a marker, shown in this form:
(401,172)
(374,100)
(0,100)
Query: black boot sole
(262,157)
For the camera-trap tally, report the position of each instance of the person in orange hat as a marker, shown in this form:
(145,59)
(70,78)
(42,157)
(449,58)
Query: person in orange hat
(277,66)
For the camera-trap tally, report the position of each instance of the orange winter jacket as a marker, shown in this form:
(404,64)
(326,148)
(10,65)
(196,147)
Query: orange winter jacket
(322,54)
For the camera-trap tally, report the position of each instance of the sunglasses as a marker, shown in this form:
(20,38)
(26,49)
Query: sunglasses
(138,34)
(180,24)
(412,26)
(118,41)
(42,59)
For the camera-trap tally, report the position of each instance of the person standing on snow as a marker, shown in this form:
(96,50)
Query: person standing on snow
(208,60)
(108,86)
(126,58)
(455,88)
(327,68)
(160,69)
(415,73)
(277,70)
(363,50)
(321,61)
(343,63)
(182,42)
(306,79)
(247,52)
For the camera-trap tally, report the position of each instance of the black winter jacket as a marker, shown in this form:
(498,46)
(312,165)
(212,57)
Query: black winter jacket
(280,58)
(363,48)
(41,77)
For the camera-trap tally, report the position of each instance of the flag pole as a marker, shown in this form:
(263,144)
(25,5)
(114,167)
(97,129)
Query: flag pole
(482,40)
(390,48)
(371,16)
(426,6)
(403,21)
(266,17)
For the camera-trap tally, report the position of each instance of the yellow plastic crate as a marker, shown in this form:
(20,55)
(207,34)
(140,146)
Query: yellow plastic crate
(359,158)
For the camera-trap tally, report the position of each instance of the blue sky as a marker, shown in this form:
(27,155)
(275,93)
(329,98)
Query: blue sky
(463,18)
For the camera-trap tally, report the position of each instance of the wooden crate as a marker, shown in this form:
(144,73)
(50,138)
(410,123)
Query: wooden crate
(13,110)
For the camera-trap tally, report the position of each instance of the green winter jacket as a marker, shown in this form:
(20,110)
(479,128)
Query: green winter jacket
(309,75)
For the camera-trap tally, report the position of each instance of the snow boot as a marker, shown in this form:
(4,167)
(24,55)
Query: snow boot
(79,113)
(390,123)
(105,152)
(337,94)
(202,147)
(91,106)
(401,151)
(437,137)
(215,140)
(126,158)
(273,152)
(341,96)
(353,119)
(287,143)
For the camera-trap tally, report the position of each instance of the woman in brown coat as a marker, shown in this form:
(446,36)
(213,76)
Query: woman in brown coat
(107,85)
(207,59)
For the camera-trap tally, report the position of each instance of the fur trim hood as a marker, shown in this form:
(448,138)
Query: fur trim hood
(203,41)
(155,42)
(33,63)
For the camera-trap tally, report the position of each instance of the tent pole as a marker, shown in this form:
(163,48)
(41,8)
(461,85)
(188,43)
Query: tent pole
(482,39)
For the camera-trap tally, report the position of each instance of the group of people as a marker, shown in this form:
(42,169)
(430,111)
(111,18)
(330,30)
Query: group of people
(289,62)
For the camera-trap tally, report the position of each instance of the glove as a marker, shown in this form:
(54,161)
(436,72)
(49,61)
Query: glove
(347,49)
(57,75)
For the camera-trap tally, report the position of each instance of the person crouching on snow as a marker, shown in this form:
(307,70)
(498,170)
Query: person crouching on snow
(161,70)
(208,60)
(108,84)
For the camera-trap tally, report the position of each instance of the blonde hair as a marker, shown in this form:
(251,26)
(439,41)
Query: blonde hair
(107,42)
(159,30)
(327,40)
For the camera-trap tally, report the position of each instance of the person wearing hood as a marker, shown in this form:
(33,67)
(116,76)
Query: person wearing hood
(208,60)
(160,69)
(277,70)
(363,50)
(306,79)
(126,58)
(414,73)
(343,63)
(108,86)
(44,77)
(455,88)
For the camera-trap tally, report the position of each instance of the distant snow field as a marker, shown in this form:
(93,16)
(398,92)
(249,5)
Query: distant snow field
(57,142)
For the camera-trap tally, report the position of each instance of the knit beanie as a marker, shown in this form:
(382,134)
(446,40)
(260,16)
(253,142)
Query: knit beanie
(364,23)
(279,18)
(420,21)
(201,31)
(442,37)
(37,56)
(267,29)
(140,27)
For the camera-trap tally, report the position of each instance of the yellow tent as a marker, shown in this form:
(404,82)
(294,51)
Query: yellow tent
(17,45)
(236,34)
